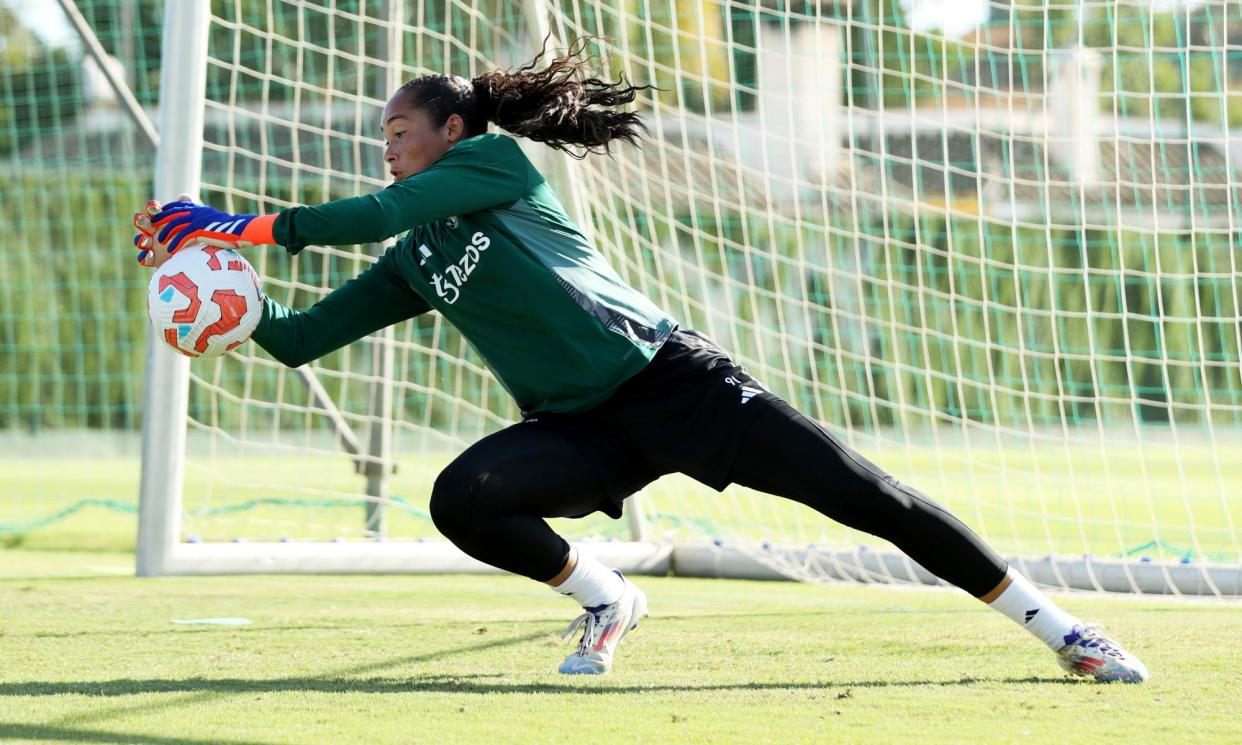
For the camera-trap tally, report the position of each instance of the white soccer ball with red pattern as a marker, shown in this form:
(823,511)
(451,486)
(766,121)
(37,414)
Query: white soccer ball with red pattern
(204,300)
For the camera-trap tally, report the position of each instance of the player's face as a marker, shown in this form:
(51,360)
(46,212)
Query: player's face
(411,141)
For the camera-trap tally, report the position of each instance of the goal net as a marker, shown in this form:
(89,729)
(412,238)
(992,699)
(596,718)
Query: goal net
(998,258)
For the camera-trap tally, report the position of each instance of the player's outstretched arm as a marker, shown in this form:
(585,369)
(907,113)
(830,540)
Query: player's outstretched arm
(369,302)
(374,299)
(481,173)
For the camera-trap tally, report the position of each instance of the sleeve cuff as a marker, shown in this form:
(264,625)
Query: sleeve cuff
(260,231)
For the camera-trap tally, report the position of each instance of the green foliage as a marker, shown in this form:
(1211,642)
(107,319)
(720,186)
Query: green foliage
(1170,65)
(38,93)
(72,310)
(965,318)
(131,32)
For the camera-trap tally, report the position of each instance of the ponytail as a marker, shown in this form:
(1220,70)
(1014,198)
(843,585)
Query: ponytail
(553,105)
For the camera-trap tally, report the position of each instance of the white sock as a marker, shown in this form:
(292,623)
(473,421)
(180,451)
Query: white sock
(1033,611)
(591,583)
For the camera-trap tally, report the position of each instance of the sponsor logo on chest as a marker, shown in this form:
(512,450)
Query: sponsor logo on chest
(448,281)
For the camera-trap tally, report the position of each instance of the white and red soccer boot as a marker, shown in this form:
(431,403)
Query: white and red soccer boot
(1089,653)
(604,627)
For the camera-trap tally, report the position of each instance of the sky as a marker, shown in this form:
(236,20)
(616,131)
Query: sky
(46,19)
(955,17)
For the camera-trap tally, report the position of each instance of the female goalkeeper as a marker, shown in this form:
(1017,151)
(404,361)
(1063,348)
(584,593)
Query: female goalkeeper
(613,392)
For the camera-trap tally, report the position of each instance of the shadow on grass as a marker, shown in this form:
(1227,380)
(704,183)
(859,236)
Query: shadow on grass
(65,734)
(469,684)
(275,627)
(202,691)
(351,681)
(254,628)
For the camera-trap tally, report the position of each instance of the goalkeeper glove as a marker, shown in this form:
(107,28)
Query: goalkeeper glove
(184,221)
(150,253)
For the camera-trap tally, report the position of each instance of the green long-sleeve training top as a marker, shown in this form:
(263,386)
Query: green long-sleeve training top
(491,248)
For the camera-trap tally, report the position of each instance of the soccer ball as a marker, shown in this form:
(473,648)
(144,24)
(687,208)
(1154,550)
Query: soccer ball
(204,300)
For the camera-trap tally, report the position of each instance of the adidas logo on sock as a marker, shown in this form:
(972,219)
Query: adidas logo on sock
(1031,614)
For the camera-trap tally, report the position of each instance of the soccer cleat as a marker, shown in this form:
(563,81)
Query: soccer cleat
(604,626)
(1089,653)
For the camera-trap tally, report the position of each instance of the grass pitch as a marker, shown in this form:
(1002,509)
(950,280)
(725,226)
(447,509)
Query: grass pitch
(91,655)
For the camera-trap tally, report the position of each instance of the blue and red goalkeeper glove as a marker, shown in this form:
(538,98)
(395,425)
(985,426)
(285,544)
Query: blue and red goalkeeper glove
(180,222)
(162,229)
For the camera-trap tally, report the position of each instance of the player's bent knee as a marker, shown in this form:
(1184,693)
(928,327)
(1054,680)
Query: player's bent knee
(450,503)
(462,501)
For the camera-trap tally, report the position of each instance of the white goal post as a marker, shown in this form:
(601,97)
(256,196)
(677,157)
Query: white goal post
(165,404)
(887,223)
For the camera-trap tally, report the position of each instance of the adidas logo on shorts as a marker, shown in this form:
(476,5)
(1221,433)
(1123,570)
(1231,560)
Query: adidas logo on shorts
(748,391)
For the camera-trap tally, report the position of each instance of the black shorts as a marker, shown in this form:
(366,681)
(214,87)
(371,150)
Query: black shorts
(685,412)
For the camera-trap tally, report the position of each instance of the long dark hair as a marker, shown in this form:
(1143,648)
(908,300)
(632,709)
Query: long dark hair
(552,105)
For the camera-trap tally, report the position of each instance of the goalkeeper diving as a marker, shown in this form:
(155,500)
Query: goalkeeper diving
(614,391)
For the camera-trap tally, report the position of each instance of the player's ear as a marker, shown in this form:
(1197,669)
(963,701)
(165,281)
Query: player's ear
(456,128)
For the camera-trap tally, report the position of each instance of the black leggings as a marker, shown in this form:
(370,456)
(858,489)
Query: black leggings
(791,456)
(491,500)
(692,410)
